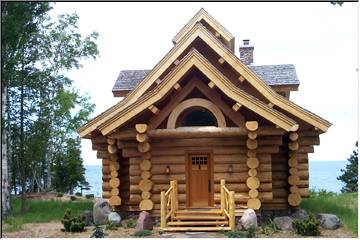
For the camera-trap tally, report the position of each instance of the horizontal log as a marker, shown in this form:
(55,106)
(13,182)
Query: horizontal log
(106,194)
(309,133)
(304,192)
(243,197)
(100,146)
(309,140)
(224,168)
(106,186)
(102,154)
(241,177)
(124,134)
(198,132)
(130,152)
(279,183)
(241,187)
(105,169)
(99,139)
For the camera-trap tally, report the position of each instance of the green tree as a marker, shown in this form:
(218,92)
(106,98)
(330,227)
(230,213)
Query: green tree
(42,109)
(350,173)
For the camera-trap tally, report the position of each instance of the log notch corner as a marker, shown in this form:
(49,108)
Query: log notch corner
(294,198)
(145,184)
(252,182)
(114,166)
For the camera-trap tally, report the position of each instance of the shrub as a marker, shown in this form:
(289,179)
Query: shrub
(73,198)
(98,232)
(89,196)
(78,194)
(130,223)
(72,224)
(270,228)
(307,227)
(249,233)
(59,194)
(142,233)
(110,226)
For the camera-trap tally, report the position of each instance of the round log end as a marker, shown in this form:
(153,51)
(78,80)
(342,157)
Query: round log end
(146,205)
(145,175)
(251,125)
(254,203)
(253,193)
(252,172)
(145,165)
(115,201)
(145,185)
(251,153)
(293,180)
(252,162)
(294,199)
(141,128)
(251,144)
(252,182)
(145,195)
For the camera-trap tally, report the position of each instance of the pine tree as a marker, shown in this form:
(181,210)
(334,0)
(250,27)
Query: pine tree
(350,173)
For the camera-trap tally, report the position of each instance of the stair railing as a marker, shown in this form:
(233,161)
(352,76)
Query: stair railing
(228,204)
(169,203)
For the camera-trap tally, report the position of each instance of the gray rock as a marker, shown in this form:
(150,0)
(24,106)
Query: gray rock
(284,223)
(144,222)
(248,219)
(328,221)
(114,218)
(88,217)
(300,214)
(101,211)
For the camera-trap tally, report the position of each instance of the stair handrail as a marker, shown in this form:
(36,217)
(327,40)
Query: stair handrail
(169,203)
(227,203)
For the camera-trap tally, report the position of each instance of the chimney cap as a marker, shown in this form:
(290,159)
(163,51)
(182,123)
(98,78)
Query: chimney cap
(246,41)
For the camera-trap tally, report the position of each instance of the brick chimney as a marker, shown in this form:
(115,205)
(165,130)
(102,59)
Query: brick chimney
(246,52)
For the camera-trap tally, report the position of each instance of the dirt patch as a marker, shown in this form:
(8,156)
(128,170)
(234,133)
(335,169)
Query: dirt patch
(53,230)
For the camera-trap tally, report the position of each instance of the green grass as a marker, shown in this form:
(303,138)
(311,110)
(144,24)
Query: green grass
(345,206)
(42,211)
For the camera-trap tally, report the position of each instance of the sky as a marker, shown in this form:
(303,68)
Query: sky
(320,39)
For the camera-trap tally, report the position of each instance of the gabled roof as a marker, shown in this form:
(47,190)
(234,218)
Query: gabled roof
(199,31)
(194,58)
(273,75)
(203,15)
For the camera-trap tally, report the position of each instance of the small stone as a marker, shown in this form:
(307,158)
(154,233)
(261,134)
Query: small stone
(88,217)
(144,222)
(248,219)
(329,221)
(300,214)
(114,218)
(101,211)
(284,223)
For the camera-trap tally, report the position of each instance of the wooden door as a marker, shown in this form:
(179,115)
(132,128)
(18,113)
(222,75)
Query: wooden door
(199,181)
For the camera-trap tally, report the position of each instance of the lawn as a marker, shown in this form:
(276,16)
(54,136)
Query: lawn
(42,211)
(345,206)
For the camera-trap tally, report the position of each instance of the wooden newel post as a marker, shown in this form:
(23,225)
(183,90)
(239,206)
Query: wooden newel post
(176,195)
(222,191)
(173,198)
(232,210)
(163,210)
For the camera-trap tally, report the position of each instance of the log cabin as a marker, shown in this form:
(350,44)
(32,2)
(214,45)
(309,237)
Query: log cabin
(205,134)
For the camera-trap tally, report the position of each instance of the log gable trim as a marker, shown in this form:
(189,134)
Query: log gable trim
(194,58)
(200,31)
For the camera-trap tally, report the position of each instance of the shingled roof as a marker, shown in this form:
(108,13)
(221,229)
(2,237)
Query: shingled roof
(273,75)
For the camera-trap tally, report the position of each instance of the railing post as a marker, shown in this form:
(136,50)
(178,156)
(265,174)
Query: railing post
(162,210)
(222,197)
(176,195)
(232,210)
(173,198)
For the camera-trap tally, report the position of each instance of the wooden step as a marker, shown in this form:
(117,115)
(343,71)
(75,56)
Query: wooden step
(196,229)
(202,223)
(199,217)
(197,212)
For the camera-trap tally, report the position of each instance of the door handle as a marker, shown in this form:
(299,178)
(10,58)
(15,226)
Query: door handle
(209,186)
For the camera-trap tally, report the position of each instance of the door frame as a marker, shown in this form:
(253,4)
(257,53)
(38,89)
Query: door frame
(211,173)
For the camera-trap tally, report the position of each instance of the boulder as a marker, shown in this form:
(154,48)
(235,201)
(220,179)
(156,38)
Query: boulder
(101,211)
(248,219)
(328,221)
(299,214)
(284,223)
(88,218)
(114,218)
(144,221)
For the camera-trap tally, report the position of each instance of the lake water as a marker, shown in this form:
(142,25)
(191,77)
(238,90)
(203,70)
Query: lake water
(322,176)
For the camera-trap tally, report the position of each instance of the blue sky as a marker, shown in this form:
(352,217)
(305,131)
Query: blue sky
(319,38)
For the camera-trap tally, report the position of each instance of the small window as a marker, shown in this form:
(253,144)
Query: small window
(197,117)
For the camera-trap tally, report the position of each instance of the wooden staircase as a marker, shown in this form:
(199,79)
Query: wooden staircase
(198,220)
(173,219)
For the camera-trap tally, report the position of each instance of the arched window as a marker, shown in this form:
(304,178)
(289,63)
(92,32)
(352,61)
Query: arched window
(196,117)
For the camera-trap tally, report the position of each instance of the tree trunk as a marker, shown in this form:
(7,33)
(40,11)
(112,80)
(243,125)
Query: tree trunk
(22,149)
(5,191)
